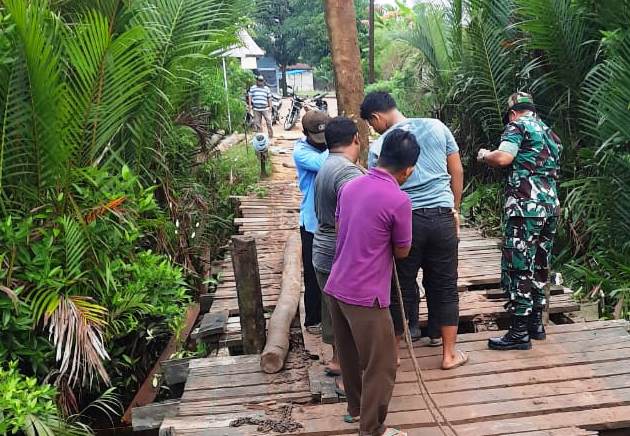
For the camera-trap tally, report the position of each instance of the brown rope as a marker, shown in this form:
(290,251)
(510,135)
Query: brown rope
(436,413)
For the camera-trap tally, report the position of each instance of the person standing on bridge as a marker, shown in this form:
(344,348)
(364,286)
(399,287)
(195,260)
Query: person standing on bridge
(373,219)
(435,189)
(532,151)
(342,140)
(309,155)
(260,102)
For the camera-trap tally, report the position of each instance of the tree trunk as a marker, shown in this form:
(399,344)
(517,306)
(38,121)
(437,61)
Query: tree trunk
(283,79)
(371,47)
(344,44)
(277,346)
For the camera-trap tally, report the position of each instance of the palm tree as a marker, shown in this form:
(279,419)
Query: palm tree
(83,85)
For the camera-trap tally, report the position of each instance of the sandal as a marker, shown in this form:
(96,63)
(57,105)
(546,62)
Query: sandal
(349,419)
(461,360)
(389,431)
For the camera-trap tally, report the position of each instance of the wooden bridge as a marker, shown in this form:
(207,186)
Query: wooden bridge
(575,383)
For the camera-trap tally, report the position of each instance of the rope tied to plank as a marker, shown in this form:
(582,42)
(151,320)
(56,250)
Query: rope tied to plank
(438,416)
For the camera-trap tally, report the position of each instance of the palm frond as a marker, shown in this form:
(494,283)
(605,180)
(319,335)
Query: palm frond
(33,107)
(489,67)
(606,94)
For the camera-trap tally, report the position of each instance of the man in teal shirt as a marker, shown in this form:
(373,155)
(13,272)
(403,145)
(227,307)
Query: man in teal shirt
(435,190)
(309,155)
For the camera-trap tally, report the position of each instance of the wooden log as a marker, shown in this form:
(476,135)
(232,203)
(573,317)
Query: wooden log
(247,277)
(275,352)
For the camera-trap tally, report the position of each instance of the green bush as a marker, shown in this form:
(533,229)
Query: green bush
(28,407)
(212,94)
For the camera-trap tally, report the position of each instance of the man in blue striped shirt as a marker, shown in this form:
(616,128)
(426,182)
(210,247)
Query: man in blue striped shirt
(259,100)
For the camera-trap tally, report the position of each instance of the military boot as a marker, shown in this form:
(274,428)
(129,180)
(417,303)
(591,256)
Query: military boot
(536,327)
(517,337)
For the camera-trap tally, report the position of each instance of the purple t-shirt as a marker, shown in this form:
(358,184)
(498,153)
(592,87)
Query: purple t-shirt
(373,215)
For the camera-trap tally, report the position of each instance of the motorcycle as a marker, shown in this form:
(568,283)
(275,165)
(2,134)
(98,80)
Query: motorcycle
(297,103)
(320,103)
(276,104)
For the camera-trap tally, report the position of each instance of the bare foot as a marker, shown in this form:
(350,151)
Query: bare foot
(455,360)
(397,350)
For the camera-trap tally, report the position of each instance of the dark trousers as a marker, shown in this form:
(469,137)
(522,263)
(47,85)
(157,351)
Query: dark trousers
(434,249)
(328,336)
(364,337)
(312,293)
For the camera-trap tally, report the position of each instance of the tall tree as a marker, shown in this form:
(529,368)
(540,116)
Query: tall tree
(274,35)
(371,44)
(346,60)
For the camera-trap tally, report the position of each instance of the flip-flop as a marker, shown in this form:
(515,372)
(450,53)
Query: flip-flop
(393,432)
(463,358)
(332,372)
(349,419)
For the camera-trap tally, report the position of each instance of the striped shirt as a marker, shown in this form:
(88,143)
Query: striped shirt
(260,96)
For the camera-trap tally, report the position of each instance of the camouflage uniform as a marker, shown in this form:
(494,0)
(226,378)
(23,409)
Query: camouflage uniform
(531,211)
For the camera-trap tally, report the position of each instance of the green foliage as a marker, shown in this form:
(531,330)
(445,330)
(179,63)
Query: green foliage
(19,342)
(574,57)
(212,94)
(28,407)
(295,31)
(484,206)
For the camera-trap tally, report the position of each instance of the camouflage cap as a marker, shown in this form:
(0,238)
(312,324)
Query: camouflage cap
(519,101)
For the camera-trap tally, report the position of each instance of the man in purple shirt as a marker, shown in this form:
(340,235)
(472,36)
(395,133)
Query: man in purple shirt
(373,226)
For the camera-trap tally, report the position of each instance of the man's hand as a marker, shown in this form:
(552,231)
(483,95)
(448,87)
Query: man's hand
(457,222)
(482,154)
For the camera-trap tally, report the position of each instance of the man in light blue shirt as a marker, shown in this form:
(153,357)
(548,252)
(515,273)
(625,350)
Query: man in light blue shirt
(435,190)
(309,154)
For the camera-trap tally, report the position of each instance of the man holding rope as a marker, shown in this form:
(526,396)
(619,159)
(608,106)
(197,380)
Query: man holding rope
(374,225)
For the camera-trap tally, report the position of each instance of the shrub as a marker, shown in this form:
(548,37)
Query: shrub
(28,406)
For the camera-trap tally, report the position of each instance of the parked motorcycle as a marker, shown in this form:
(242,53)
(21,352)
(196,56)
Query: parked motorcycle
(276,104)
(320,103)
(297,103)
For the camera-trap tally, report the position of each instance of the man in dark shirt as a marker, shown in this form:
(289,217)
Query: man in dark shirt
(340,167)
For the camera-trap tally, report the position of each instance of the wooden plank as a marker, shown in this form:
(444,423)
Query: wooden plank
(151,416)
(477,419)
(298,385)
(147,392)
(175,371)
(212,324)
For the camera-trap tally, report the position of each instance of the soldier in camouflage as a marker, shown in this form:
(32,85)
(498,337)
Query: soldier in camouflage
(532,151)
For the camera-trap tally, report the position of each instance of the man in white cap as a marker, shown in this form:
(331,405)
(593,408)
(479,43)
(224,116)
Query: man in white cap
(259,101)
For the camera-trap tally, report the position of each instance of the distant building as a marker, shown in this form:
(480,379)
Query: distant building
(300,78)
(268,68)
(246,50)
